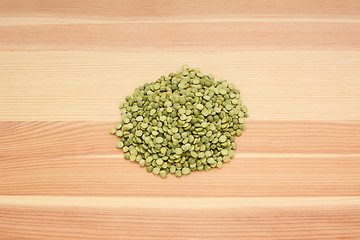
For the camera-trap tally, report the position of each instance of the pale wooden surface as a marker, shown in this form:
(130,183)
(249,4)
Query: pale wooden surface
(66,65)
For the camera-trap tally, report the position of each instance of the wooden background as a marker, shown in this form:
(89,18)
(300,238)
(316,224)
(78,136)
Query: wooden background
(66,65)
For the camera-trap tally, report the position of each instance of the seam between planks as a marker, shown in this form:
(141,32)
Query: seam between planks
(188,203)
(20,21)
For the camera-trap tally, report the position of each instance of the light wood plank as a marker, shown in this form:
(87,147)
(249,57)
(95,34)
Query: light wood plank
(197,37)
(30,140)
(111,175)
(289,85)
(205,218)
(184,9)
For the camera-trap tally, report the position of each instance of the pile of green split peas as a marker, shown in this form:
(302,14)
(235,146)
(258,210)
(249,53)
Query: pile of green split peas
(184,122)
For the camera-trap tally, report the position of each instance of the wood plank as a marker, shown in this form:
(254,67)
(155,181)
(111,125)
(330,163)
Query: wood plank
(245,175)
(185,9)
(80,158)
(286,85)
(30,140)
(175,36)
(171,218)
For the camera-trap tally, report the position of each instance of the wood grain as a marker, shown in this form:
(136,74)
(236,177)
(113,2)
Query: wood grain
(168,218)
(163,219)
(182,10)
(125,36)
(294,163)
(66,65)
(247,175)
(277,85)
(49,139)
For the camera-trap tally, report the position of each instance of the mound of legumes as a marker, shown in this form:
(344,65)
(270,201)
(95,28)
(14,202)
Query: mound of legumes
(184,122)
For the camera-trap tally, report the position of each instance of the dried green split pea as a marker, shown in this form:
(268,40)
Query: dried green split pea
(184,122)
